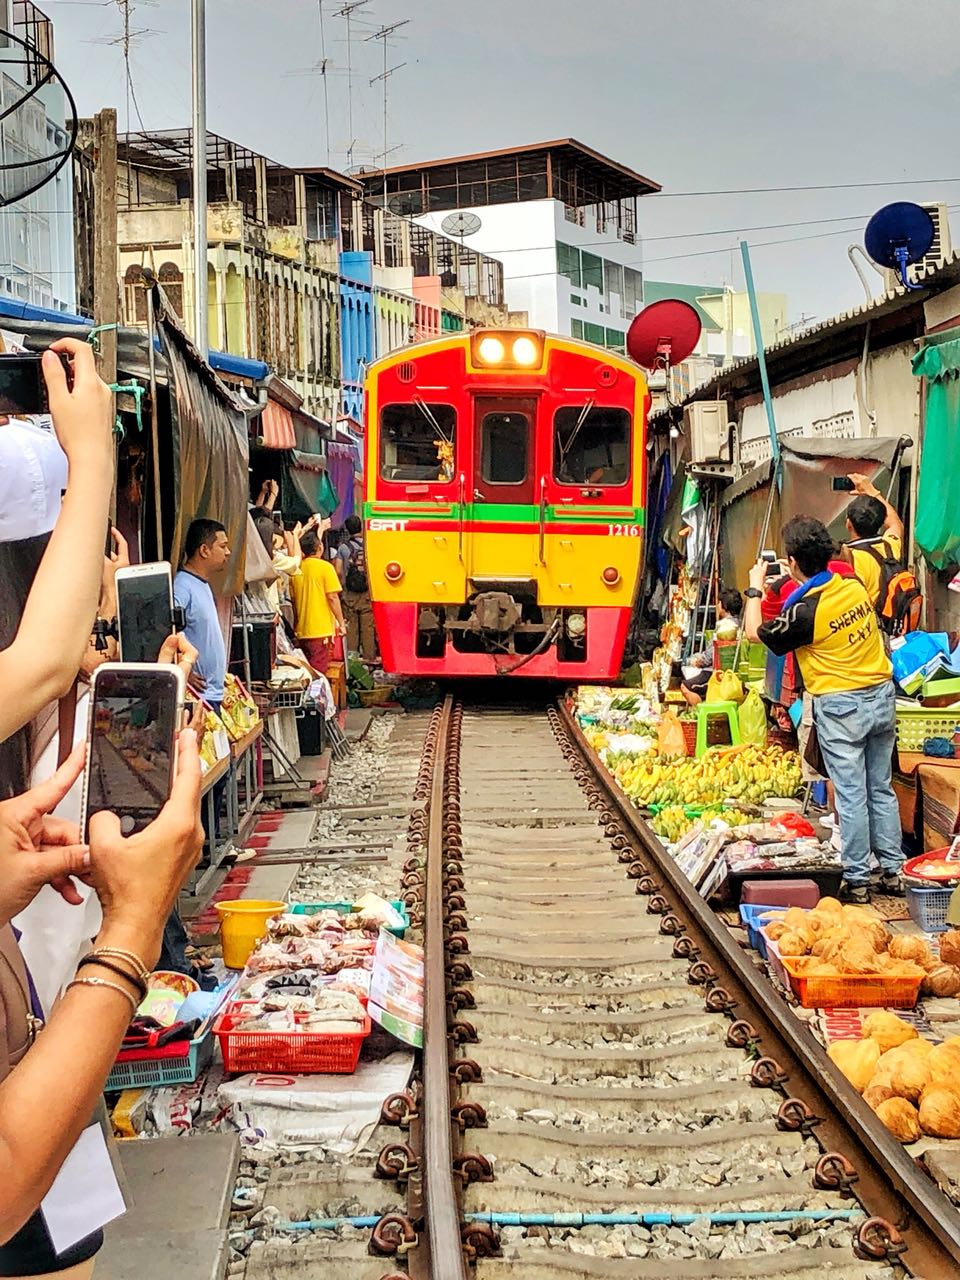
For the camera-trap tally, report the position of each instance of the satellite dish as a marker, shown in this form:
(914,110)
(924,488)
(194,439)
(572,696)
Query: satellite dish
(31,85)
(663,334)
(897,235)
(460,224)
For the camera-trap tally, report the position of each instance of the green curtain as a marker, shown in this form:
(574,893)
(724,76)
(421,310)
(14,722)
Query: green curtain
(938,498)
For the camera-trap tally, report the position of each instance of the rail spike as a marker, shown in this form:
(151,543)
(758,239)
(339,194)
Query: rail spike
(834,1172)
(877,1239)
(480,1240)
(393,1234)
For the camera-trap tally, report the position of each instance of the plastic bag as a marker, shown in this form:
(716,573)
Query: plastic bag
(725,686)
(753,719)
(670,739)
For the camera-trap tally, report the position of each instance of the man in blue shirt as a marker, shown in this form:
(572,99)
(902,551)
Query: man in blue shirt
(206,550)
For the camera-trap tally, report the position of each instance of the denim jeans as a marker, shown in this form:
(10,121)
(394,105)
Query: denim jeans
(857,731)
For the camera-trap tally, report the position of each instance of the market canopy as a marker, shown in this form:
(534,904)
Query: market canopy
(937,529)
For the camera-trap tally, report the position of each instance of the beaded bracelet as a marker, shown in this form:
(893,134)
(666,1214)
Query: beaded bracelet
(141,970)
(95,958)
(104,982)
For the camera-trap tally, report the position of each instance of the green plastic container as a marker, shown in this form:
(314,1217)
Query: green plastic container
(346,909)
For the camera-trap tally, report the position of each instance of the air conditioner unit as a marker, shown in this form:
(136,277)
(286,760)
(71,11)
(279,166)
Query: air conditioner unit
(939,251)
(708,431)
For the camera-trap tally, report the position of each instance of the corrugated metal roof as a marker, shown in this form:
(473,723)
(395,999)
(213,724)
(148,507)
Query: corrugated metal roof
(945,276)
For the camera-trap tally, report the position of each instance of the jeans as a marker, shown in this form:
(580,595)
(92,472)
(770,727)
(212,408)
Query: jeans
(857,732)
(173,952)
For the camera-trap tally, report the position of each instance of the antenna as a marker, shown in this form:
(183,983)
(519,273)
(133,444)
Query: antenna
(461,225)
(323,72)
(347,12)
(384,35)
(898,235)
(662,335)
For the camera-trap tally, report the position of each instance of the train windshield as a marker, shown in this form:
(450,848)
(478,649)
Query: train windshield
(591,445)
(417,441)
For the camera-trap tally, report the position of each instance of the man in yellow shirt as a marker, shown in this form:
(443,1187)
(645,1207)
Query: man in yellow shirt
(315,590)
(830,623)
(871,522)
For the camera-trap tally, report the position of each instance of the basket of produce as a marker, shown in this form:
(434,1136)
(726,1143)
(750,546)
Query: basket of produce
(375,697)
(845,957)
(325,1041)
(916,724)
(934,867)
(396,923)
(753,916)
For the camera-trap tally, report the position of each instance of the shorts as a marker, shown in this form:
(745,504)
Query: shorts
(317,652)
(30,1252)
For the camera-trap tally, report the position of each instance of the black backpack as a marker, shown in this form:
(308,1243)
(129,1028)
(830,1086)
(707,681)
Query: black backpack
(356,579)
(899,600)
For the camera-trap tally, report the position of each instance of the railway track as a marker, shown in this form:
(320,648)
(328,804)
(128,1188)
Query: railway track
(608,1087)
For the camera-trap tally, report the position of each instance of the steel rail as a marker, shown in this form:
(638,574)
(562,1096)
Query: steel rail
(441,1207)
(888,1182)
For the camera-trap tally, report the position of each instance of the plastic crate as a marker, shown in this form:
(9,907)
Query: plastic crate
(928,905)
(158,1067)
(303,1052)
(751,913)
(916,724)
(852,991)
(776,962)
(287,699)
(346,909)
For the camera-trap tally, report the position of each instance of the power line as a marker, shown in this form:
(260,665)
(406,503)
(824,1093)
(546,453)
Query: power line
(823,186)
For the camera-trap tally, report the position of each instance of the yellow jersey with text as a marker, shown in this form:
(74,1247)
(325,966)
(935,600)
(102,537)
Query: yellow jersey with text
(834,632)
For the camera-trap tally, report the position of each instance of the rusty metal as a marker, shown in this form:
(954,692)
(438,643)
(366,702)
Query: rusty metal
(473,1167)
(396,1161)
(834,1172)
(766,1073)
(398,1109)
(461,998)
(719,1000)
(480,1240)
(468,1115)
(459,971)
(741,1034)
(878,1239)
(670,925)
(890,1185)
(684,948)
(647,885)
(658,905)
(466,1071)
(393,1234)
(462,1032)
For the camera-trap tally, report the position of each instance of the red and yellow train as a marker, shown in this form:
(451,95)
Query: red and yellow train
(504,505)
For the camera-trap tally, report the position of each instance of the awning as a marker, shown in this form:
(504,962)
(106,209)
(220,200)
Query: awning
(274,429)
(937,527)
(305,487)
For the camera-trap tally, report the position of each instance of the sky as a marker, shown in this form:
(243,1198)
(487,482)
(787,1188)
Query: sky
(698,95)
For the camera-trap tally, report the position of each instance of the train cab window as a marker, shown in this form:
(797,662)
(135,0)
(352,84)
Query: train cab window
(504,447)
(417,442)
(591,445)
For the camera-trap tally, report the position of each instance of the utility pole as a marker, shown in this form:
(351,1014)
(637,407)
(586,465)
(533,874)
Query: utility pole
(384,35)
(199,51)
(105,273)
(347,13)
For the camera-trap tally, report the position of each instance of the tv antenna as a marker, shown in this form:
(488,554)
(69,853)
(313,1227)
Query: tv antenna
(26,73)
(383,35)
(347,12)
(899,235)
(460,225)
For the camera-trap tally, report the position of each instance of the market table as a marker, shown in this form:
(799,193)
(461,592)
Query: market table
(928,790)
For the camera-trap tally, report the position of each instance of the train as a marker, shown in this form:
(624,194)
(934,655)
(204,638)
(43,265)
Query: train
(504,489)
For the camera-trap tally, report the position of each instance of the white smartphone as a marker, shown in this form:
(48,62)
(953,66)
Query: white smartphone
(144,610)
(135,715)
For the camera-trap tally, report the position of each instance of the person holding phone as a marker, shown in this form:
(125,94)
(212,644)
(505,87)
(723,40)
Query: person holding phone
(50,1085)
(315,589)
(40,660)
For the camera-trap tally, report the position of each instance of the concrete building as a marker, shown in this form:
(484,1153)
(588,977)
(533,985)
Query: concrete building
(37,232)
(560,216)
(272,259)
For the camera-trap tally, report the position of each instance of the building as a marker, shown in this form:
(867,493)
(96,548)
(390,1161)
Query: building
(272,257)
(560,216)
(36,233)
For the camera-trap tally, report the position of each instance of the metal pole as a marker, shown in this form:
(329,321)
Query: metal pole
(199,124)
(154,420)
(761,358)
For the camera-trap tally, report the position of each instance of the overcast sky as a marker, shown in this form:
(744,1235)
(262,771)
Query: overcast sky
(699,95)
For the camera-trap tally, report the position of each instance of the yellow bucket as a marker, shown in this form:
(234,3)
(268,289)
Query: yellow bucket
(242,924)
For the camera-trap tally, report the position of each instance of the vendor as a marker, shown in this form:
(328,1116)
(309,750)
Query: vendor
(729,610)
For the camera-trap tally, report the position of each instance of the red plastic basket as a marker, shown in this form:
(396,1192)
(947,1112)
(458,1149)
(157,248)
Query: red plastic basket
(306,1052)
(851,990)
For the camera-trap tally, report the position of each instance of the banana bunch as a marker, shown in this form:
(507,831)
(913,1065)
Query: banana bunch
(748,773)
(672,824)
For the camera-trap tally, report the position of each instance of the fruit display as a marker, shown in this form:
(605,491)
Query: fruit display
(748,773)
(912,1084)
(673,822)
(832,940)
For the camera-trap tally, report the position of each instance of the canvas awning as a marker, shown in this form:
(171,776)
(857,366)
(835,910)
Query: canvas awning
(937,528)
(275,429)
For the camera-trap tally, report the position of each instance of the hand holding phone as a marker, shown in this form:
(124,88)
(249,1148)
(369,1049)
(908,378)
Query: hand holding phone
(144,610)
(842,484)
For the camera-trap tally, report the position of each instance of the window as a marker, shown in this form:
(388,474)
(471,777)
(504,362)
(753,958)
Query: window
(594,333)
(576,328)
(417,441)
(592,268)
(632,292)
(576,300)
(591,445)
(613,279)
(503,448)
(568,263)
(615,340)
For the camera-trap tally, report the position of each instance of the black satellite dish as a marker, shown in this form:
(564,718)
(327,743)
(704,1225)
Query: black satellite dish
(33,93)
(898,235)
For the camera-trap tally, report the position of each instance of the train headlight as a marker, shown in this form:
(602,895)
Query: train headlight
(611,575)
(491,350)
(525,352)
(393,572)
(576,625)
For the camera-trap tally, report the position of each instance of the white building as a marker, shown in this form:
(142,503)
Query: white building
(37,262)
(561,217)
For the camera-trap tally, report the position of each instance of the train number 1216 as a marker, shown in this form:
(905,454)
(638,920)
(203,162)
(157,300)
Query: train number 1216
(623,530)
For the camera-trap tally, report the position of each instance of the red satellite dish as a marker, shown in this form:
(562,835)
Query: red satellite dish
(664,333)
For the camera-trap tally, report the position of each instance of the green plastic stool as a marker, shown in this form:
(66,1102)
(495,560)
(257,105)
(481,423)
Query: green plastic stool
(705,711)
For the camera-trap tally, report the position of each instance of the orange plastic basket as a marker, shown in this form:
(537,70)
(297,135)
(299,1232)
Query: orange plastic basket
(852,991)
(307,1052)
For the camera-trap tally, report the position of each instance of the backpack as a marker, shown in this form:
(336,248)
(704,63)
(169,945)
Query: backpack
(899,600)
(356,576)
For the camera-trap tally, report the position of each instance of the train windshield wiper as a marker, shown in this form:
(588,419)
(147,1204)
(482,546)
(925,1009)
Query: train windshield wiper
(576,430)
(428,414)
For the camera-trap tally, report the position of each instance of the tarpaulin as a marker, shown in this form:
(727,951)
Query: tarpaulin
(938,498)
(341,468)
(306,488)
(275,427)
(210,449)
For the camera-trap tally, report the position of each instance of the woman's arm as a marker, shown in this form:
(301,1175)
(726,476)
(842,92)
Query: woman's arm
(45,654)
(49,1097)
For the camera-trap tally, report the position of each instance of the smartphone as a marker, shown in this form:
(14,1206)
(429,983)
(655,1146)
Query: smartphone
(841,484)
(135,716)
(144,610)
(22,386)
(769,556)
